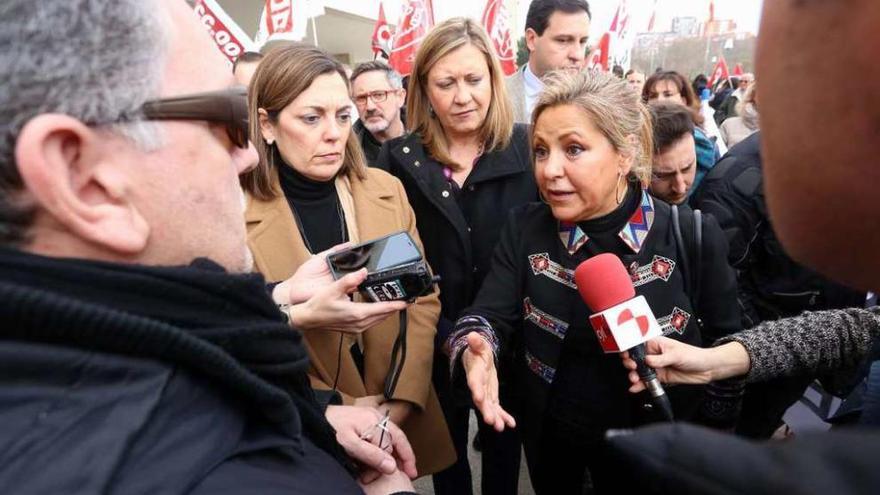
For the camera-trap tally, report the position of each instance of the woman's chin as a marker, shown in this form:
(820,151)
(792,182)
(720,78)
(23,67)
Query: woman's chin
(564,213)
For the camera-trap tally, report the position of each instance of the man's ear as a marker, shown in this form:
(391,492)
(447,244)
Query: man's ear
(78,177)
(531,36)
(403,96)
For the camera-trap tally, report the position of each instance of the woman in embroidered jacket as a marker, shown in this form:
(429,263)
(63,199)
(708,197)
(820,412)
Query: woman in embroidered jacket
(312,191)
(592,147)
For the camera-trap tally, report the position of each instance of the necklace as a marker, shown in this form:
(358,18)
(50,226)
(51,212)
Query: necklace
(343,229)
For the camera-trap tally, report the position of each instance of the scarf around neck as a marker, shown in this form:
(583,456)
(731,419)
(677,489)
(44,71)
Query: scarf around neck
(199,317)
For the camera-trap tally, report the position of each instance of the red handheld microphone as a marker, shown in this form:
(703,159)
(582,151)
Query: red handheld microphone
(622,321)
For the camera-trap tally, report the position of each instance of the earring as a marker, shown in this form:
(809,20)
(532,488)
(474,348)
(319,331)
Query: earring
(618,195)
(431,111)
(270,141)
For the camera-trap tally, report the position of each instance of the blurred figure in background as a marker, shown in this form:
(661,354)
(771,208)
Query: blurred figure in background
(244,67)
(735,129)
(729,107)
(673,87)
(636,80)
(700,83)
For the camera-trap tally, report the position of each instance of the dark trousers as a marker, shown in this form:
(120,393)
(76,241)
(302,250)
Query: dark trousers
(500,451)
(561,463)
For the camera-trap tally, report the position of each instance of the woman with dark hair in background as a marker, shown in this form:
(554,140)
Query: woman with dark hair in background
(464,166)
(672,86)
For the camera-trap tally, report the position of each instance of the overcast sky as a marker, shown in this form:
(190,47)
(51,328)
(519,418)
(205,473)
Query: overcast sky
(746,13)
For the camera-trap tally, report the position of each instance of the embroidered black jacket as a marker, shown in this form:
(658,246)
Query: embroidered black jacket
(530,299)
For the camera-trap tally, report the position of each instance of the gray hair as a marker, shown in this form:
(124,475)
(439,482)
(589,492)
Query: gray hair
(394,78)
(95,60)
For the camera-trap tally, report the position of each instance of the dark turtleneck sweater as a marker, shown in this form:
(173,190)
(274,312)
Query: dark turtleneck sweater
(315,206)
(603,231)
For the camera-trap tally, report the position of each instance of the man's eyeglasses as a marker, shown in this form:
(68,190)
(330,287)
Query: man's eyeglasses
(227,107)
(376,96)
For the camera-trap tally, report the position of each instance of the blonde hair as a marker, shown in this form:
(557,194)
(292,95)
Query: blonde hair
(284,73)
(608,102)
(446,37)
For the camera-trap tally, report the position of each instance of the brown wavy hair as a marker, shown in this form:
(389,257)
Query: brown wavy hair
(684,88)
(283,74)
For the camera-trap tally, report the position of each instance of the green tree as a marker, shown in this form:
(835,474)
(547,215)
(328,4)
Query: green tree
(522,52)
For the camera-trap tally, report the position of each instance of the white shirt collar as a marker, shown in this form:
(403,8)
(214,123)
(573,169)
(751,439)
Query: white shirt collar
(532,86)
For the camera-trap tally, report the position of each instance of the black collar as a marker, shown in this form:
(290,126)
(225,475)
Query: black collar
(411,154)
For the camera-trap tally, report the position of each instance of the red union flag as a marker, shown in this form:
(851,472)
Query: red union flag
(230,39)
(497,23)
(598,59)
(416,20)
(282,20)
(719,72)
(381,34)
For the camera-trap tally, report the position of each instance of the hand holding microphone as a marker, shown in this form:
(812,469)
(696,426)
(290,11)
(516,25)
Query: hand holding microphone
(680,363)
(623,322)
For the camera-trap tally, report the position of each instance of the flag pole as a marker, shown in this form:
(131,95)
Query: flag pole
(314,27)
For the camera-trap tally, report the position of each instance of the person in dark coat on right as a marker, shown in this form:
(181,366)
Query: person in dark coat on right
(770,284)
(837,168)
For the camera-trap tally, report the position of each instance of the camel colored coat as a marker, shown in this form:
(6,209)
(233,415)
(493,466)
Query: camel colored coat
(380,207)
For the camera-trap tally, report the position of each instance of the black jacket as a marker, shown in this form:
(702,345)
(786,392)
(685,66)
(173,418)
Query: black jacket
(369,143)
(129,379)
(679,459)
(459,236)
(771,285)
(533,305)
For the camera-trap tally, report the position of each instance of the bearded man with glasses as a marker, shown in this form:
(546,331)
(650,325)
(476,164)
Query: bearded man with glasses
(378,93)
(138,354)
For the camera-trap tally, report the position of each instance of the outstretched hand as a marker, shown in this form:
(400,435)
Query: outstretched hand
(482,378)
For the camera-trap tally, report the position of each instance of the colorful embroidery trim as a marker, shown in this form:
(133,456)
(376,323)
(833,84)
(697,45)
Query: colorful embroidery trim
(542,265)
(636,230)
(542,370)
(660,268)
(572,236)
(675,322)
(544,320)
(633,234)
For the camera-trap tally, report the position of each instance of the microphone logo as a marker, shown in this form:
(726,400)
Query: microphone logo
(641,321)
